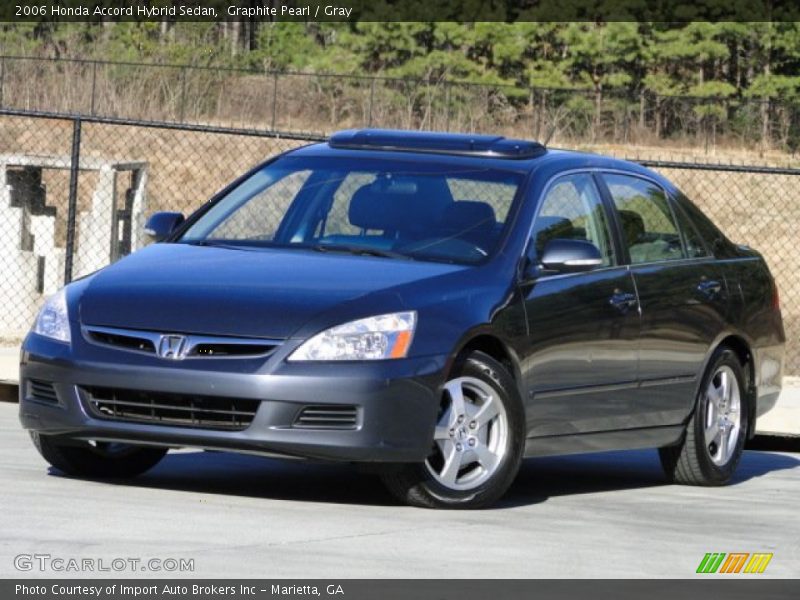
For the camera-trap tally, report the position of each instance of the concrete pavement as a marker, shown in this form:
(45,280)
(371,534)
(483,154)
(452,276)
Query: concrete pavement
(600,515)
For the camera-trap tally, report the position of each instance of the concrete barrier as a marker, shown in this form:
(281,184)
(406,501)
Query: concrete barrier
(33,257)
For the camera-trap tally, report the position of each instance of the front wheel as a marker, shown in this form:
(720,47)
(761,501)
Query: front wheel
(715,435)
(97,459)
(477,443)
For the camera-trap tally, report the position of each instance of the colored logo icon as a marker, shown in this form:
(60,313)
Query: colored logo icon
(734,562)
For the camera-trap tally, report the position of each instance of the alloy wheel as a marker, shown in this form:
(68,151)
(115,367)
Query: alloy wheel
(722,424)
(471,435)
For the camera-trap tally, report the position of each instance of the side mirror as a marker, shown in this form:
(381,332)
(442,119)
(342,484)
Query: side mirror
(161,224)
(566,256)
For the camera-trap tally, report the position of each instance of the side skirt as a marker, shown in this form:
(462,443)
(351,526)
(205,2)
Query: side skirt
(623,439)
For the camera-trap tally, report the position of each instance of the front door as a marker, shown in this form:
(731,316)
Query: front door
(580,364)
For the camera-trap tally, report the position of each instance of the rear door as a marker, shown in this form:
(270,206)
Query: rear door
(681,292)
(580,360)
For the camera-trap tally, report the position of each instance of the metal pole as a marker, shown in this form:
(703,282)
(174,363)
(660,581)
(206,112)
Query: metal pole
(371,99)
(446,107)
(2,78)
(72,206)
(533,115)
(538,108)
(94,83)
(183,94)
(274,98)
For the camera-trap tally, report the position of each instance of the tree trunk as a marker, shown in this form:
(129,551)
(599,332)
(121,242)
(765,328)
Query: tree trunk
(658,118)
(163,28)
(641,110)
(236,32)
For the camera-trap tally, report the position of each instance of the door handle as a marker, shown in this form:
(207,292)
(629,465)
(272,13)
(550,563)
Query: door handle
(709,287)
(622,301)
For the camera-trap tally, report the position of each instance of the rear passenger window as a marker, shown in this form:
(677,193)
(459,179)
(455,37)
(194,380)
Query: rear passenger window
(694,244)
(572,209)
(648,224)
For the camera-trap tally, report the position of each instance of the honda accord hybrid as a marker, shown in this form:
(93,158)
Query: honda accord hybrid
(439,306)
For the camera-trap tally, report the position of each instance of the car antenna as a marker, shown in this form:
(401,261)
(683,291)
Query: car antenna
(549,136)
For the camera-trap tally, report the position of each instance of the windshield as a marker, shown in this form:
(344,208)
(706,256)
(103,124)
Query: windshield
(371,206)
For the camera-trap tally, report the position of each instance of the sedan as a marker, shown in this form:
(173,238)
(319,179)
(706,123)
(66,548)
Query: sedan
(437,306)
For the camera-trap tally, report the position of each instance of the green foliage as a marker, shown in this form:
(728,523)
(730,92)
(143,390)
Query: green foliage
(283,46)
(703,59)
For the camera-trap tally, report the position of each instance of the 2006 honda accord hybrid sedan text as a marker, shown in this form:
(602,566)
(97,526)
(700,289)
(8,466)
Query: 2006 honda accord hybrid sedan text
(438,305)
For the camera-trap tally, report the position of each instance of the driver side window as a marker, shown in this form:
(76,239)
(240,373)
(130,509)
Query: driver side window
(572,209)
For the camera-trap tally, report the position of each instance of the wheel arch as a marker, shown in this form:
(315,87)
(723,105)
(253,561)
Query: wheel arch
(494,346)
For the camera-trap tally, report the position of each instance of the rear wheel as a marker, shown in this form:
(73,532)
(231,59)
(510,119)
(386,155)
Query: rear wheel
(97,459)
(477,443)
(715,435)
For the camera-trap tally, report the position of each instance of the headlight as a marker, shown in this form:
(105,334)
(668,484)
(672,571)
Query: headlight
(52,321)
(373,338)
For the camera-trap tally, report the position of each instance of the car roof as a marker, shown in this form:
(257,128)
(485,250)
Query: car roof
(486,151)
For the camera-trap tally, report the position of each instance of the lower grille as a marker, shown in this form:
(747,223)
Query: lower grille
(183,410)
(328,416)
(42,390)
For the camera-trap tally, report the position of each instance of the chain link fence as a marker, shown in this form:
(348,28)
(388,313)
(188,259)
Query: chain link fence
(76,191)
(292,101)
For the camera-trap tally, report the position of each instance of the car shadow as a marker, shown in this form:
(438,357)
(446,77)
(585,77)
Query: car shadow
(539,478)
(543,478)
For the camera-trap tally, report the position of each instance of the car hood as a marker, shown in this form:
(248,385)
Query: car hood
(243,292)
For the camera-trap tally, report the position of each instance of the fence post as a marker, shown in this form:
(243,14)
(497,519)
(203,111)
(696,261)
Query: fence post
(94,84)
(539,113)
(446,106)
(371,99)
(534,131)
(2,78)
(183,94)
(274,98)
(72,210)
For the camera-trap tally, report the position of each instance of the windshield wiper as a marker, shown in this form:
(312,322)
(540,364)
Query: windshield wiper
(244,243)
(357,250)
(218,244)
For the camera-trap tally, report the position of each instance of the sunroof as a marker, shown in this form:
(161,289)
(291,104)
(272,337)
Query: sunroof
(490,146)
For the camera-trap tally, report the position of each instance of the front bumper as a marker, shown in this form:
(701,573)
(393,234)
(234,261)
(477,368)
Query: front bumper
(397,401)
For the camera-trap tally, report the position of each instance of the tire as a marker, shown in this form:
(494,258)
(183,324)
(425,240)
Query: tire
(484,441)
(99,460)
(715,435)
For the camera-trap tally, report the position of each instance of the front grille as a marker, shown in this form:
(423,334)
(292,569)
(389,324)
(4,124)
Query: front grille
(42,390)
(328,416)
(194,346)
(124,341)
(222,349)
(163,408)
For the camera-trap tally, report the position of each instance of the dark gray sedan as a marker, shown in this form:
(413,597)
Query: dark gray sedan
(440,306)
